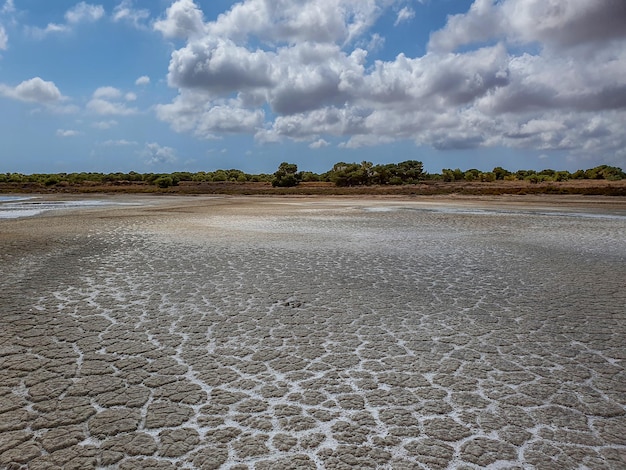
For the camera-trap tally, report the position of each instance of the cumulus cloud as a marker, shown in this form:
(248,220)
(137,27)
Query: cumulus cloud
(107,100)
(318,144)
(219,66)
(107,92)
(209,121)
(143,80)
(229,119)
(155,154)
(566,23)
(552,23)
(35,90)
(289,21)
(516,73)
(84,13)
(105,107)
(483,21)
(183,19)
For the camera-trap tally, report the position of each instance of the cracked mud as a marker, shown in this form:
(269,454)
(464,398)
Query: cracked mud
(282,334)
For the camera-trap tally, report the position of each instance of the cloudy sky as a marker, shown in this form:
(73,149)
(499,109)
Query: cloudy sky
(156,85)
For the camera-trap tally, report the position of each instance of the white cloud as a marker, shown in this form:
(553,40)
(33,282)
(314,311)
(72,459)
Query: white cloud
(509,73)
(105,124)
(553,23)
(107,92)
(219,66)
(143,80)
(40,33)
(80,13)
(318,144)
(209,121)
(405,14)
(184,113)
(119,143)
(229,119)
(483,21)
(67,133)
(107,101)
(4,38)
(105,107)
(155,154)
(183,19)
(569,23)
(34,90)
(8,7)
(288,21)
(84,13)
(125,12)
(130,96)
(376,43)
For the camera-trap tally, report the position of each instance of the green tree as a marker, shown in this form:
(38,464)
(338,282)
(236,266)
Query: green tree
(309,176)
(287,175)
(500,173)
(52,180)
(411,171)
(562,176)
(471,175)
(235,175)
(219,175)
(452,175)
(351,174)
(605,172)
(488,176)
(164,181)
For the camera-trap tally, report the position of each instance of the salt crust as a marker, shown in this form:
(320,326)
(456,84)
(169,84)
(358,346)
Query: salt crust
(281,334)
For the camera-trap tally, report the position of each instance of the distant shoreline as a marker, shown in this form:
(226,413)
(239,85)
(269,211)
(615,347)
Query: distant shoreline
(426,188)
(139,204)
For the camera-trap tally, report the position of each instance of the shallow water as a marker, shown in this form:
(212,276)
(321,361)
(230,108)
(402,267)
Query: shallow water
(13,207)
(321,338)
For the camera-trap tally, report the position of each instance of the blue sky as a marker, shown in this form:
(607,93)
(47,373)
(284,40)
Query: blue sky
(160,86)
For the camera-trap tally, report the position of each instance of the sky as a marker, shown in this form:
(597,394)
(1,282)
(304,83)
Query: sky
(162,86)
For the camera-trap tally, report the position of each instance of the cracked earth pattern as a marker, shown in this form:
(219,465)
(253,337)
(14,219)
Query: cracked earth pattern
(318,337)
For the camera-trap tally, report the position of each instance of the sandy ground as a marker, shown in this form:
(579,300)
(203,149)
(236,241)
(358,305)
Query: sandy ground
(271,333)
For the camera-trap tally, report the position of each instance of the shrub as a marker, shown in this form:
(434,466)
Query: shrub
(164,181)
(51,181)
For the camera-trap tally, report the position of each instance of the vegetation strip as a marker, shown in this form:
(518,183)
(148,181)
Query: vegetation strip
(402,178)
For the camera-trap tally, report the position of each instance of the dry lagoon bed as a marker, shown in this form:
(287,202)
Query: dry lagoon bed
(269,333)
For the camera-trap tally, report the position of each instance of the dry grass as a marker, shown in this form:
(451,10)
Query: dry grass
(575,187)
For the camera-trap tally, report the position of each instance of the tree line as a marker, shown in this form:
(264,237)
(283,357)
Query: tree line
(341,174)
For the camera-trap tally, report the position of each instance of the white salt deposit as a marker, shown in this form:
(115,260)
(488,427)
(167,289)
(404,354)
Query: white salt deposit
(348,338)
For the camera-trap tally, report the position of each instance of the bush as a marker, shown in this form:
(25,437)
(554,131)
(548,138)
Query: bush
(164,181)
(286,176)
(51,181)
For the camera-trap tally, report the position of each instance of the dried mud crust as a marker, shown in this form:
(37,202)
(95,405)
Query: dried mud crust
(313,335)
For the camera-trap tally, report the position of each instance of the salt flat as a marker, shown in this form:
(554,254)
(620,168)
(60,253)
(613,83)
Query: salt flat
(269,333)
